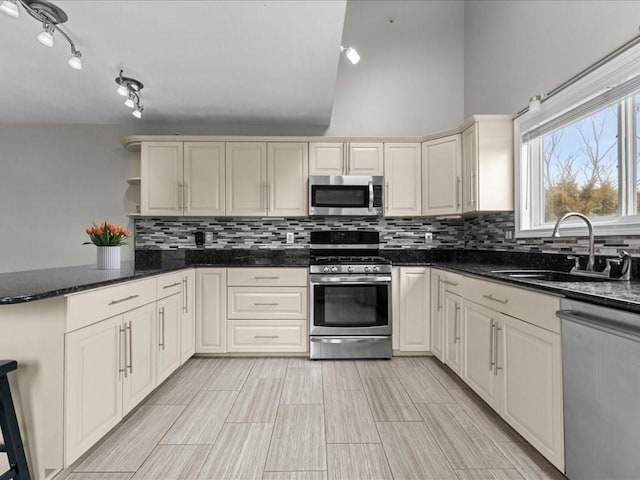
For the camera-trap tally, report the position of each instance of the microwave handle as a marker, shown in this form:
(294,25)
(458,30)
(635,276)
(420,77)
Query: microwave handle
(370,196)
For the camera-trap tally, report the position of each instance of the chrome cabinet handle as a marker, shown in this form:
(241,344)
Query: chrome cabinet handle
(185,295)
(123,351)
(130,366)
(495,351)
(348,152)
(458,192)
(491,362)
(161,328)
(447,282)
(130,297)
(266,278)
(185,197)
(386,200)
(268,197)
(266,336)
(455,325)
(172,285)
(266,304)
(491,297)
(439,294)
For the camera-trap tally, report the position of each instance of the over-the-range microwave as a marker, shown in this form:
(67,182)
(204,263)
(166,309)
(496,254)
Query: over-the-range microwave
(348,195)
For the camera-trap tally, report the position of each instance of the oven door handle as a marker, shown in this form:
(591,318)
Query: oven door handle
(315,280)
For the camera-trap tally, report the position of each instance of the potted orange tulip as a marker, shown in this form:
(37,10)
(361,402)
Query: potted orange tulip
(108,238)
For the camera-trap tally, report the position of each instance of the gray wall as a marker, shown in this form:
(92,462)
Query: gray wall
(54,181)
(517,49)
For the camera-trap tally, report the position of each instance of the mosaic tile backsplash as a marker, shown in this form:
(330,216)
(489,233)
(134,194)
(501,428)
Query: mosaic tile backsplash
(482,232)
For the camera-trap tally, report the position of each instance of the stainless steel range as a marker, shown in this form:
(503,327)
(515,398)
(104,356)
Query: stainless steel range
(350,296)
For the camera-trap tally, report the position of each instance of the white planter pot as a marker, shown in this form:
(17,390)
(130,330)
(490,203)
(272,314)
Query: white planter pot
(108,258)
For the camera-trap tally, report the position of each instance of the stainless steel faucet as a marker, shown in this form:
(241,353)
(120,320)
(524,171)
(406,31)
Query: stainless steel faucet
(592,255)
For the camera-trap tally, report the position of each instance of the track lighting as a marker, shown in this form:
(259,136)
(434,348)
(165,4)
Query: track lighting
(130,88)
(10,7)
(351,54)
(46,36)
(51,16)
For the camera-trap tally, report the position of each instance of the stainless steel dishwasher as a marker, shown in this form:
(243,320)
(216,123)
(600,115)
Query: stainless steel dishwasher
(601,384)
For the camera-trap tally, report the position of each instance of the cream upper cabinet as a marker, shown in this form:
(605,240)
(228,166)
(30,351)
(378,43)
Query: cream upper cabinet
(479,332)
(161,178)
(211,310)
(204,178)
(168,344)
(412,321)
(441,176)
(267,179)
(188,321)
(346,158)
(182,178)
(530,362)
(403,179)
(288,178)
(487,164)
(246,179)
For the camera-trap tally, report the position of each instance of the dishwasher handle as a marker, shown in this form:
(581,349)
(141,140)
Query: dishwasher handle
(603,324)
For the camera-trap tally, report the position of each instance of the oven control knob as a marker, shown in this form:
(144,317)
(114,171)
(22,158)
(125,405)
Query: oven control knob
(367,269)
(350,269)
(375,269)
(325,269)
(334,269)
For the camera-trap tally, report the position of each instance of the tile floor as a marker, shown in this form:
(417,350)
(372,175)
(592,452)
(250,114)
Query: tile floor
(291,418)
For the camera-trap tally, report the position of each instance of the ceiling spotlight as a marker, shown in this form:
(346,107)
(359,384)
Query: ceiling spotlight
(138,112)
(122,90)
(130,88)
(351,54)
(129,102)
(10,7)
(75,61)
(46,36)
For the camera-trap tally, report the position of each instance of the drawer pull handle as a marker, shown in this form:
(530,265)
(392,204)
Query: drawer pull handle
(266,278)
(447,282)
(266,336)
(172,285)
(130,297)
(266,304)
(491,297)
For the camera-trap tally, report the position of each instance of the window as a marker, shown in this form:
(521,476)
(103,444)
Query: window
(579,153)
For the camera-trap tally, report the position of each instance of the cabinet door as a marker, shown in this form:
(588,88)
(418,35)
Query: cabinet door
(530,358)
(470,169)
(188,325)
(246,178)
(327,158)
(365,159)
(204,178)
(441,182)
(414,309)
(93,400)
(288,173)
(437,313)
(168,344)
(211,310)
(403,180)
(139,356)
(161,179)
(452,316)
(479,369)
(395,308)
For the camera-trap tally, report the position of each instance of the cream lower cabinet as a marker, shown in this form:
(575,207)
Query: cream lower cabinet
(403,179)
(188,317)
(452,322)
(211,310)
(441,282)
(267,310)
(110,368)
(169,311)
(411,312)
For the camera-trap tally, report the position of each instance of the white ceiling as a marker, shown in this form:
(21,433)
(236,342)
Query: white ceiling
(254,62)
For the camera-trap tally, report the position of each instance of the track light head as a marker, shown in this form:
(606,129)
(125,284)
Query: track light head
(10,7)
(45,37)
(138,112)
(75,61)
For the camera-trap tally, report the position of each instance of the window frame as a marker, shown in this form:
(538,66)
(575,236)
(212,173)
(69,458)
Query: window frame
(591,93)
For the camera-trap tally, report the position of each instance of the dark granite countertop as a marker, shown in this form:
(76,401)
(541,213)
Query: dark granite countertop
(20,287)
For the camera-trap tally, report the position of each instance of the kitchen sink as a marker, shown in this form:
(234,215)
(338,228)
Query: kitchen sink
(552,276)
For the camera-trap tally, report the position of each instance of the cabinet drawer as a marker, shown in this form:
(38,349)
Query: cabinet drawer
(271,277)
(169,284)
(267,302)
(263,336)
(451,282)
(89,307)
(533,307)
